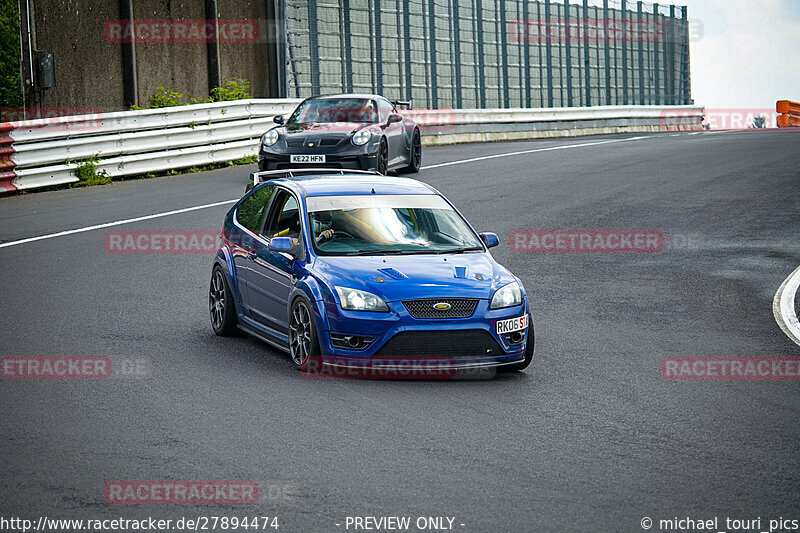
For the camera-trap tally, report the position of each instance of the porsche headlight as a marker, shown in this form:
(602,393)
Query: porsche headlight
(355,300)
(507,296)
(361,137)
(269,138)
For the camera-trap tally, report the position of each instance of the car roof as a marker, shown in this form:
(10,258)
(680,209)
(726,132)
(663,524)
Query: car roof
(350,95)
(352,184)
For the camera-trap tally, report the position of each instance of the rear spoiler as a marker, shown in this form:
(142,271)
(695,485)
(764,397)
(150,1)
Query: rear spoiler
(404,103)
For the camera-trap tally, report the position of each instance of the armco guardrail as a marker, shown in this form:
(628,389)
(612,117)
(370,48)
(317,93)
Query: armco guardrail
(481,125)
(790,114)
(40,153)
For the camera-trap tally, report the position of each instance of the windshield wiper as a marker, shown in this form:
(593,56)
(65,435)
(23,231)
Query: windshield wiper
(459,250)
(380,252)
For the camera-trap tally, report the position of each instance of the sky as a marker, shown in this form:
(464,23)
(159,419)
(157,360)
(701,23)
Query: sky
(745,53)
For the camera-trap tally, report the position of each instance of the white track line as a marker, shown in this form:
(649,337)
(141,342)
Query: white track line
(115,223)
(195,208)
(783,306)
(532,151)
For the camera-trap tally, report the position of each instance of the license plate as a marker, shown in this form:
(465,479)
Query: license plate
(307,159)
(512,324)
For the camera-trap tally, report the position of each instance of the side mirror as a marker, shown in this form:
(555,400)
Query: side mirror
(278,119)
(490,239)
(394,117)
(280,244)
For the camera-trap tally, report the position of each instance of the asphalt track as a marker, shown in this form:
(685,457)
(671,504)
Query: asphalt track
(589,438)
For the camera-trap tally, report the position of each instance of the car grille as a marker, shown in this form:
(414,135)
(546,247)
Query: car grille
(445,344)
(330,141)
(295,142)
(459,307)
(322,142)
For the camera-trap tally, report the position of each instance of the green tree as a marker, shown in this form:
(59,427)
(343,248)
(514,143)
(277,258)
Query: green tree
(10,86)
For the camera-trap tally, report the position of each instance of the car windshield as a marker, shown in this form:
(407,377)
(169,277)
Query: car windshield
(326,110)
(387,224)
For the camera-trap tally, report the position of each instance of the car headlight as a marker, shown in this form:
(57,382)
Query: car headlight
(507,296)
(361,137)
(269,138)
(355,300)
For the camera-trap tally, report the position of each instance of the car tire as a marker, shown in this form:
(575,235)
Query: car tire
(415,161)
(382,164)
(220,305)
(303,340)
(529,343)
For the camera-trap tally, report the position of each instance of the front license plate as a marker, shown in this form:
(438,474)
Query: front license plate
(512,324)
(307,159)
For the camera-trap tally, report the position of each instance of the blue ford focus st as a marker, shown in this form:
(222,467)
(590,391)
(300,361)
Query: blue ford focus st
(354,269)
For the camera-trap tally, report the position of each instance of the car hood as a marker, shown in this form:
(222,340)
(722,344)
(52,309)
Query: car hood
(469,275)
(323,128)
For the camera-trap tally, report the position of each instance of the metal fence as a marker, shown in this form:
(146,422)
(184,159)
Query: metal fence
(490,53)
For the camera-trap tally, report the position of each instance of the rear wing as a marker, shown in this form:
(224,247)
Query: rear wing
(402,103)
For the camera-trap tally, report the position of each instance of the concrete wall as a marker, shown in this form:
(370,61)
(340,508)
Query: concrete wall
(89,68)
(247,61)
(180,67)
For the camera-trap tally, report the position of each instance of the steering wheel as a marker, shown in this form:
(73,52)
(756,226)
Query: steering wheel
(341,235)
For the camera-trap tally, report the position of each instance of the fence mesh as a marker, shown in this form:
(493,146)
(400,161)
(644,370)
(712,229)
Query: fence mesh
(490,53)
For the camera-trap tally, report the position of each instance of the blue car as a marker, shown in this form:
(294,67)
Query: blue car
(354,269)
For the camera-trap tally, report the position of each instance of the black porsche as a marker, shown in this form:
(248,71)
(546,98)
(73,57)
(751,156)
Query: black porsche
(348,131)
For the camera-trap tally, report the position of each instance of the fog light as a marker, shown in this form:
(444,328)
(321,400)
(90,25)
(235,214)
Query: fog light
(350,342)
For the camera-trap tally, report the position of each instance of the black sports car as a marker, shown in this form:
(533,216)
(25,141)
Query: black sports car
(352,131)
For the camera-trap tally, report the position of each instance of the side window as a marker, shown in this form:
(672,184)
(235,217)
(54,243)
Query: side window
(251,210)
(284,217)
(384,110)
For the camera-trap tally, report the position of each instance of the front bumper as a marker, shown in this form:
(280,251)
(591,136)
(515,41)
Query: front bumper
(357,158)
(399,339)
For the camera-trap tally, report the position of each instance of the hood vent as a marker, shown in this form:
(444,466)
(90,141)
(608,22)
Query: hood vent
(460,272)
(392,273)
